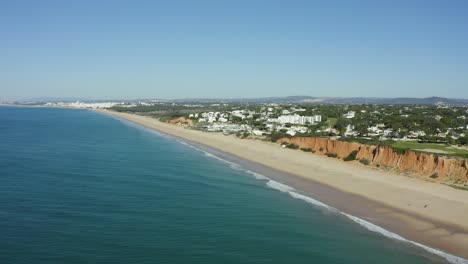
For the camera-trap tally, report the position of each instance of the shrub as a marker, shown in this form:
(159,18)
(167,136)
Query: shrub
(351,156)
(278,135)
(364,161)
(400,151)
(321,149)
(434,175)
(332,155)
(292,146)
(306,149)
(463,140)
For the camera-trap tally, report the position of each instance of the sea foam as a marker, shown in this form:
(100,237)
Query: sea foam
(374,228)
(279,186)
(310,200)
(257,176)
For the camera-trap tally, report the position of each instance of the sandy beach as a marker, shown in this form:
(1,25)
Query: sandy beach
(428,213)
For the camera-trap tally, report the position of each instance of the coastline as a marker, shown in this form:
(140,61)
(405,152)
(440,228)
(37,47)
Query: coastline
(426,213)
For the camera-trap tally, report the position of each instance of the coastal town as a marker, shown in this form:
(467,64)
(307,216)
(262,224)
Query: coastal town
(437,123)
(383,122)
(403,125)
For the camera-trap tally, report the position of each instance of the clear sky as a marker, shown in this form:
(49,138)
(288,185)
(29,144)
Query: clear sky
(180,49)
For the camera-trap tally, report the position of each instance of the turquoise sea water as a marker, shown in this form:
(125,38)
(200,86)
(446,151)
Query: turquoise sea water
(80,187)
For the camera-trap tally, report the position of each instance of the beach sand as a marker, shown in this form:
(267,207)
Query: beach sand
(428,213)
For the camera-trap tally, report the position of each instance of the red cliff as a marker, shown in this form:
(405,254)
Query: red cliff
(422,165)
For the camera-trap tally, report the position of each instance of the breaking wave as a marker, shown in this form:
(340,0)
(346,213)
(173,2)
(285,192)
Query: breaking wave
(279,186)
(374,228)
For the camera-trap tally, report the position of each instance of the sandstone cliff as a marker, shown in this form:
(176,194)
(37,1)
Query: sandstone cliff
(422,165)
(180,120)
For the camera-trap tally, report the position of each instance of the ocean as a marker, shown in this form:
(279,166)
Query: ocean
(81,187)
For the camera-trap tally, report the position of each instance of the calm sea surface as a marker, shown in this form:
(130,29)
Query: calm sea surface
(80,187)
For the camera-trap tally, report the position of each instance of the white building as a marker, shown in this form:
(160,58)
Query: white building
(209,117)
(296,119)
(257,132)
(415,134)
(350,131)
(238,113)
(79,104)
(387,132)
(350,114)
(374,130)
(296,129)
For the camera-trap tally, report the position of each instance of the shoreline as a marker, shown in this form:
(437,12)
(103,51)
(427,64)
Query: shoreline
(426,213)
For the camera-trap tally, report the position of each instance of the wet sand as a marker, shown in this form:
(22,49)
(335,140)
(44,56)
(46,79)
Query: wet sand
(428,213)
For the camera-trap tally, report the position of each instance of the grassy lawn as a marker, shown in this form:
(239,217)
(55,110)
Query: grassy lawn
(427,147)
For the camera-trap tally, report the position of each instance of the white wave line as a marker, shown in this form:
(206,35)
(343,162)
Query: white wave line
(374,228)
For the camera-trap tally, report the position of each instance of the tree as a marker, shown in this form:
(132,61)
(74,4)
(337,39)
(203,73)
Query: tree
(463,140)
(236,119)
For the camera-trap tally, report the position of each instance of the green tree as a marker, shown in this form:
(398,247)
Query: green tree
(463,140)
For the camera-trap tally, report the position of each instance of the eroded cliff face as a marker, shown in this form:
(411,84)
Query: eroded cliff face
(180,120)
(428,166)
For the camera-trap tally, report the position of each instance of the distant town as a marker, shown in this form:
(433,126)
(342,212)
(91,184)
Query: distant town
(440,123)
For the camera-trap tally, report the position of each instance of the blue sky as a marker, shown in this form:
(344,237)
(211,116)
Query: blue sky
(181,49)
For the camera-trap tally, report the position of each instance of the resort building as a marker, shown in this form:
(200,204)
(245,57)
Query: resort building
(296,119)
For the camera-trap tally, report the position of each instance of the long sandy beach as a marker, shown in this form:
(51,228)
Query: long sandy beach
(428,213)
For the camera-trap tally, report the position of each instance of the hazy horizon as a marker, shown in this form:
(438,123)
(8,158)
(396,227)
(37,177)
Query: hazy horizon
(108,99)
(241,49)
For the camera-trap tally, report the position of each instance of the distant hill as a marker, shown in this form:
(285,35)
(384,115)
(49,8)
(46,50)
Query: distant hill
(283,100)
(338,100)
